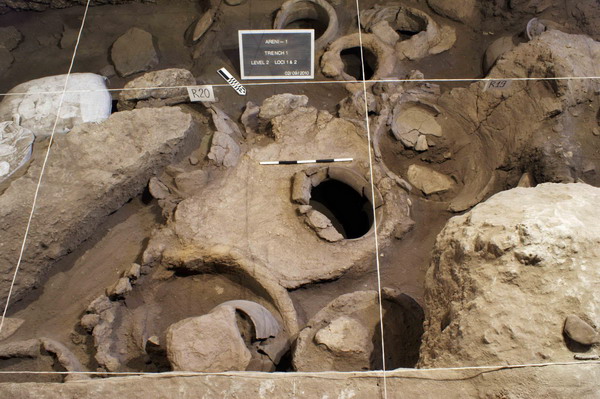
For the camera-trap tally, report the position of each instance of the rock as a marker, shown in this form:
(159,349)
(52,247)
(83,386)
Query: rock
(580,331)
(484,305)
(346,335)
(10,37)
(120,288)
(191,182)
(6,60)
(224,124)
(15,148)
(134,52)
(526,180)
(224,151)
(89,321)
(194,160)
(204,22)
(421,144)
(136,94)
(234,2)
(322,226)
(100,304)
(209,343)
(115,160)
(134,272)
(428,180)
(38,111)
(158,188)
(249,118)
(69,38)
(465,11)
(281,104)
(343,336)
(10,326)
(108,71)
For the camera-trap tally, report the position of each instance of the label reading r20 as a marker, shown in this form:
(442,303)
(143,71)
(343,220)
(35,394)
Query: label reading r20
(201,93)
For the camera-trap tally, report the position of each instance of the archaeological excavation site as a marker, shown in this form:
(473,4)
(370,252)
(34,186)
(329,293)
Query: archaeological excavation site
(262,199)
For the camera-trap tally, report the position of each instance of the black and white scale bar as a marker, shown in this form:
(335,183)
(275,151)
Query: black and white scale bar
(307,161)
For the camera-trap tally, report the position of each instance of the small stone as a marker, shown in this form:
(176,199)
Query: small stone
(99,305)
(428,181)
(121,287)
(330,234)
(154,340)
(421,143)
(526,180)
(134,52)
(596,131)
(234,2)
(580,331)
(224,151)
(317,220)
(89,321)
(158,189)
(194,161)
(303,209)
(134,272)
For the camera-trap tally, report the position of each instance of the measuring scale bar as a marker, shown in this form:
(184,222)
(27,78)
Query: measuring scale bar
(241,90)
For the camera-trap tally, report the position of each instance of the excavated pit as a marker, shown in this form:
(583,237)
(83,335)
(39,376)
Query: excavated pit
(350,213)
(352,59)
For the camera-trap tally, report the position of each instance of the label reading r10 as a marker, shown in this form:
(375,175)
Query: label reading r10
(201,93)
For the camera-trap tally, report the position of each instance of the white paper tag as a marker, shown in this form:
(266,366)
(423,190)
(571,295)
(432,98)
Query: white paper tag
(201,93)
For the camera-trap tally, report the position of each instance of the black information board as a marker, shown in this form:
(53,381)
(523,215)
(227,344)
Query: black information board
(277,54)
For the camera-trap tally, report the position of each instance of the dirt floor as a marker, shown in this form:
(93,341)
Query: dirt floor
(54,308)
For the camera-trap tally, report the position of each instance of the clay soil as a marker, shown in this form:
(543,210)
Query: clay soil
(53,309)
